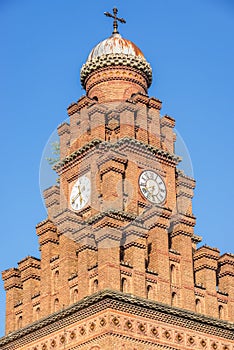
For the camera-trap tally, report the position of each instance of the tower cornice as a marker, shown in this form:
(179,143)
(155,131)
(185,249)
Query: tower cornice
(161,154)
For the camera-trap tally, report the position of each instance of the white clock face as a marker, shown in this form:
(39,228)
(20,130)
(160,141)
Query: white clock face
(80,193)
(152,187)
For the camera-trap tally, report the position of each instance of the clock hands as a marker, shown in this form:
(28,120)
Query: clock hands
(149,187)
(81,199)
(77,196)
(80,193)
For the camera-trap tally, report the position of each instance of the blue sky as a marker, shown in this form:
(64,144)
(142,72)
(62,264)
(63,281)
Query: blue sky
(43,45)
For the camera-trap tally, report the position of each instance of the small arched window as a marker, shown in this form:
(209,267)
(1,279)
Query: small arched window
(75,296)
(37,313)
(20,322)
(149,291)
(174,299)
(56,280)
(124,287)
(221,312)
(95,285)
(173,274)
(56,305)
(198,305)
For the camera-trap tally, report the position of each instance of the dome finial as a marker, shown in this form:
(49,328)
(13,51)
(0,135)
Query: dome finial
(116,19)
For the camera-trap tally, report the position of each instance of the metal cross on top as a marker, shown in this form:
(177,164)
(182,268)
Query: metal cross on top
(116,19)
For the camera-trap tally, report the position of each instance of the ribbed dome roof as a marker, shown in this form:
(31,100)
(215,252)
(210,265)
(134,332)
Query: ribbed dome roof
(115,45)
(112,52)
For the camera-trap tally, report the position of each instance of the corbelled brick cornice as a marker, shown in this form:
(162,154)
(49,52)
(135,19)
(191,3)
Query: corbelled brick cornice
(112,60)
(126,142)
(112,300)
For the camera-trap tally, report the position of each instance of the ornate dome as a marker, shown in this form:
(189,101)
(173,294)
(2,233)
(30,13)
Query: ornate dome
(115,45)
(116,51)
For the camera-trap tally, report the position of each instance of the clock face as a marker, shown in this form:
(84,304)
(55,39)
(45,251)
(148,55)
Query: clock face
(152,187)
(80,193)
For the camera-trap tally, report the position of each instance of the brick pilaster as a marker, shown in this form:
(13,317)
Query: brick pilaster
(205,267)
(157,220)
(181,233)
(48,240)
(30,277)
(108,241)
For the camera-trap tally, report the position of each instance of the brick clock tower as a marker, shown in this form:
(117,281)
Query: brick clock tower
(119,266)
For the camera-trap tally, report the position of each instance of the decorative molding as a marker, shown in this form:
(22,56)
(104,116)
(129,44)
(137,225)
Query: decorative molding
(112,60)
(121,302)
(128,142)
